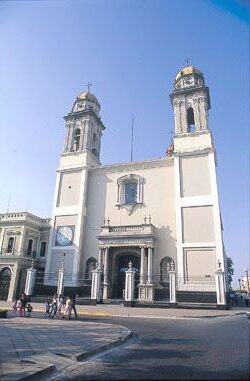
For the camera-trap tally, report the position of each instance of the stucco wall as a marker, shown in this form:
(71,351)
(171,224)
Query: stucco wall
(158,201)
(195,180)
(69,188)
(198,224)
(200,262)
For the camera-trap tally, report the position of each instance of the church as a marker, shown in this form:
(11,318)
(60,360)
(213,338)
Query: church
(161,215)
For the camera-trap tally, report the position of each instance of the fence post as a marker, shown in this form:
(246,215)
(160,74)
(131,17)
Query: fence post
(96,284)
(60,283)
(172,283)
(129,286)
(220,285)
(30,280)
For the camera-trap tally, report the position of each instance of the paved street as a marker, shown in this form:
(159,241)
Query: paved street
(190,349)
(167,344)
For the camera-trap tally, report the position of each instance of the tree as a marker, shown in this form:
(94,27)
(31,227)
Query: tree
(230,271)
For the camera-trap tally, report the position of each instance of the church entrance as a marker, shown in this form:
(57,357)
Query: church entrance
(121,265)
(5,277)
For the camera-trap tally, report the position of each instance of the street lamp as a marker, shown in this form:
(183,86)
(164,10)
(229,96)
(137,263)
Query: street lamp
(239,283)
(246,271)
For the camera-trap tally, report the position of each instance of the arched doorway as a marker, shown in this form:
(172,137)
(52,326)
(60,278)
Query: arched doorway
(121,265)
(5,277)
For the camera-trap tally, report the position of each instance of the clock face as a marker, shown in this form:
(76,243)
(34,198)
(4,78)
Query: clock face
(64,236)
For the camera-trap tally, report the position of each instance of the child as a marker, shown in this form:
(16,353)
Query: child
(52,310)
(14,308)
(47,308)
(29,310)
(18,306)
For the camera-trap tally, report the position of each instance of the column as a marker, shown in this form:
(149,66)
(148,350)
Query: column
(220,287)
(96,284)
(30,280)
(142,274)
(60,283)
(105,281)
(129,286)
(14,282)
(150,264)
(100,258)
(172,283)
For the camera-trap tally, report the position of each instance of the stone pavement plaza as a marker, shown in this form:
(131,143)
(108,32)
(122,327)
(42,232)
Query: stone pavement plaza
(33,346)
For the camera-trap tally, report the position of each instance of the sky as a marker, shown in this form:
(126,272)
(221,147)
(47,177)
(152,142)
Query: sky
(130,50)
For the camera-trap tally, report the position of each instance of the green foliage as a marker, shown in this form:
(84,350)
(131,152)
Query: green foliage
(230,271)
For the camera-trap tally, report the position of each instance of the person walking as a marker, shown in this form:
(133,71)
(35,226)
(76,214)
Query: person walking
(247,299)
(23,302)
(53,307)
(59,306)
(46,308)
(73,304)
(68,307)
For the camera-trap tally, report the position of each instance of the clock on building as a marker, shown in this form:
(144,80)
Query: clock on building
(64,235)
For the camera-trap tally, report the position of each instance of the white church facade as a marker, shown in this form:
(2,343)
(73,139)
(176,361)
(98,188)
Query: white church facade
(163,215)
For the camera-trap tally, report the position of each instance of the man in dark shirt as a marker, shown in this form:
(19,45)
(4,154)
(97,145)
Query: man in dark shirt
(73,306)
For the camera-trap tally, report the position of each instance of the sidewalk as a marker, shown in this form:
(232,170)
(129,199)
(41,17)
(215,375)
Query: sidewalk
(109,310)
(31,348)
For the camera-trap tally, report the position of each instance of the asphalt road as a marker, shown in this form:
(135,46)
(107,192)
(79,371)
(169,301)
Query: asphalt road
(181,349)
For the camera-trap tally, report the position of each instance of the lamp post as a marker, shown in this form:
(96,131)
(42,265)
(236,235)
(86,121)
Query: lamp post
(246,271)
(239,283)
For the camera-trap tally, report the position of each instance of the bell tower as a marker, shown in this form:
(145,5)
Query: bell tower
(83,126)
(191,102)
(199,238)
(81,153)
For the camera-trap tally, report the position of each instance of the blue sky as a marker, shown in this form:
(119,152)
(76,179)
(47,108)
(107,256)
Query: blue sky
(130,50)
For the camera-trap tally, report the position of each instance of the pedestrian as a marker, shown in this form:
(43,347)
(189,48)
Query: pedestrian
(53,307)
(23,302)
(67,309)
(247,299)
(73,307)
(46,308)
(29,309)
(60,303)
(232,298)
(14,308)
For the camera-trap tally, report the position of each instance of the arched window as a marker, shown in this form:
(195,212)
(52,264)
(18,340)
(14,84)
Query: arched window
(5,277)
(76,140)
(165,266)
(190,120)
(130,189)
(94,144)
(90,266)
(130,192)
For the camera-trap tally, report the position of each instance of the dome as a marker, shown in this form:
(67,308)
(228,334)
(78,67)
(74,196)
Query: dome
(187,70)
(89,97)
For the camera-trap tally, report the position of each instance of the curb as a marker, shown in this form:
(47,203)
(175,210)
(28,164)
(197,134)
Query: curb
(83,356)
(34,373)
(103,314)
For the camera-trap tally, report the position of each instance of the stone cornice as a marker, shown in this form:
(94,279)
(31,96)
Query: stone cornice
(23,218)
(137,165)
(73,115)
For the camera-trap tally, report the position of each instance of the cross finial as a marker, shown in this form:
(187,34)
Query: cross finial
(187,61)
(88,86)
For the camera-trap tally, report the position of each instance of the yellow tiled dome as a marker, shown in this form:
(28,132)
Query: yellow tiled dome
(187,70)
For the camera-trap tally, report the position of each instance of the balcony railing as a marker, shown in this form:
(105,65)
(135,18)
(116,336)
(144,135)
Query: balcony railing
(128,230)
